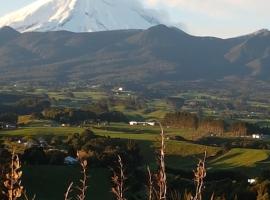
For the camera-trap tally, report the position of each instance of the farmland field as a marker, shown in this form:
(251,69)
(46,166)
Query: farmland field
(180,154)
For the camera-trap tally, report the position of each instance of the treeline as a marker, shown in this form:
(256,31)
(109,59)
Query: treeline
(23,105)
(76,116)
(213,126)
(13,105)
(8,118)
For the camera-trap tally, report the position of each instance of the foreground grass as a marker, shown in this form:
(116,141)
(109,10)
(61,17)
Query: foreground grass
(51,182)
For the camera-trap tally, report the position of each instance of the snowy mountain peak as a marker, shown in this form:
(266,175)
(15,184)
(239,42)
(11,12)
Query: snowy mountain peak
(81,16)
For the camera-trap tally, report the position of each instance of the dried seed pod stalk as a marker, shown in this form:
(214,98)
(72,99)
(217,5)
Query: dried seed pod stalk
(69,190)
(199,176)
(83,188)
(118,181)
(161,175)
(150,185)
(12,179)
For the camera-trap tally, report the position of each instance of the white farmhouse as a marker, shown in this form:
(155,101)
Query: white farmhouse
(133,123)
(251,181)
(256,136)
(151,123)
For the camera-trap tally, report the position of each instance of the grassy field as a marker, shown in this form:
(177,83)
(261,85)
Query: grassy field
(180,154)
(50,182)
(237,158)
(42,131)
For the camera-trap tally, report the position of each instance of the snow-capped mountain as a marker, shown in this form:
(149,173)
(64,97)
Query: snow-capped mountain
(81,16)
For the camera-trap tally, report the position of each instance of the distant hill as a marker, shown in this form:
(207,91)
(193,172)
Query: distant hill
(154,55)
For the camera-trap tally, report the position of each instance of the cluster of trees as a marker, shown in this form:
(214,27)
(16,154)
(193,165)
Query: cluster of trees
(181,120)
(77,116)
(68,115)
(13,105)
(211,126)
(176,102)
(24,105)
(40,107)
(100,151)
(131,102)
(8,118)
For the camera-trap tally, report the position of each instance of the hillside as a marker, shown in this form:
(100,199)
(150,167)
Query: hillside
(154,55)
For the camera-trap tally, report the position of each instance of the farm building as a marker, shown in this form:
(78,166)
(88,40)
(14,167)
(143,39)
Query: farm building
(133,123)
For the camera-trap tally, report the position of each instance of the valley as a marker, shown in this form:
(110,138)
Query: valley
(134,100)
(184,146)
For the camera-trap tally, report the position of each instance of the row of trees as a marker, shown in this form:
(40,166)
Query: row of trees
(25,106)
(75,116)
(210,125)
(13,105)
(8,118)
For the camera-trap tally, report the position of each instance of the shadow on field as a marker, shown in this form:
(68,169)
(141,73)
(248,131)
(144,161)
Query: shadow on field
(129,130)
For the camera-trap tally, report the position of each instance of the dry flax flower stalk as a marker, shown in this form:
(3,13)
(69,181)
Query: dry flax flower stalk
(161,176)
(69,190)
(118,180)
(12,179)
(150,184)
(83,188)
(199,176)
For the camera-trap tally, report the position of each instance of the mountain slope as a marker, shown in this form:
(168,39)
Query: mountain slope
(158,54)
(254,53)
(81,16)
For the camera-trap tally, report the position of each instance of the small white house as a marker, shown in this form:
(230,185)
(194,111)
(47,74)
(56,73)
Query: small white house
(256,136)
(251,181)
(133,123)
(120,89)
(70,161)
(151,123)
(10,126)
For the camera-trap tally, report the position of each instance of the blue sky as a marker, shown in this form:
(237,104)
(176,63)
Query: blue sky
(221,18)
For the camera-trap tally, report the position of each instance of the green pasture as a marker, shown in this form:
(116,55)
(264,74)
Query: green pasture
(180,154)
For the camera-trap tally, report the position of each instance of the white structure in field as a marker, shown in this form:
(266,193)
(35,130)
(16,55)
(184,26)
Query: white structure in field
(251,181)
(256,136)
(133,123)
(151,123)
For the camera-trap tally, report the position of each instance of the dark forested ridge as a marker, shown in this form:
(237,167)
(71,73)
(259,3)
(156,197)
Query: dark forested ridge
(153,55)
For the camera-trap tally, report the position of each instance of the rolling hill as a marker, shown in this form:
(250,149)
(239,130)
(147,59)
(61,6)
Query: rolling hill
(157,54)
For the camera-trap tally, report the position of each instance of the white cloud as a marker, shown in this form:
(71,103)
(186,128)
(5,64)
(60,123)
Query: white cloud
(220,8)
(222,18)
